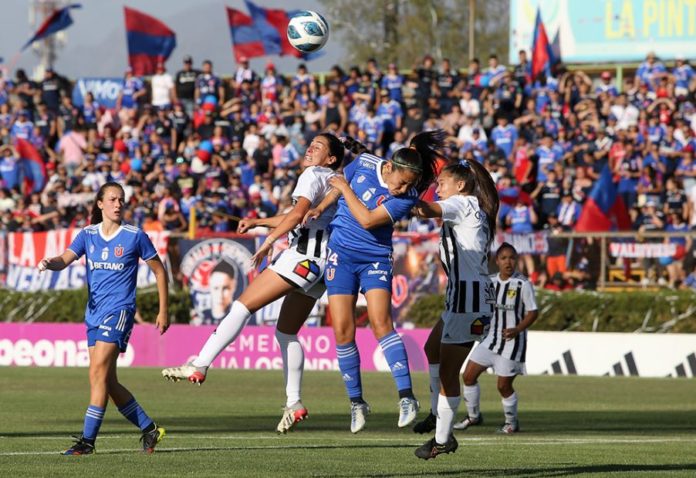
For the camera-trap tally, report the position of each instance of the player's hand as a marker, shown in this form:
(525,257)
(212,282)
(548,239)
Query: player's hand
(266,249)
(339,183)
(245,225)
(43,265)
(509,334)
(162,322)
(311,215)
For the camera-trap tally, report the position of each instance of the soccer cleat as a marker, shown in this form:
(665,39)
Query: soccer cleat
(81,447)
(151,439)
(292,415)
(468,422)
(509,428)
(432,448)
(426,425)
(358,412)
(186,372)
(408,410)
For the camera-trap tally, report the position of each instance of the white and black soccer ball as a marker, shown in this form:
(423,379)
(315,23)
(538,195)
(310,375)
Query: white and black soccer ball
(308,31)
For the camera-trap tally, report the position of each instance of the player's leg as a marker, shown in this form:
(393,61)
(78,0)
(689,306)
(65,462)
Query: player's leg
(509,401)
(101,356)
(452,357)
(432,352)
(471,390)
(293,313)
(263,290)
(379,313)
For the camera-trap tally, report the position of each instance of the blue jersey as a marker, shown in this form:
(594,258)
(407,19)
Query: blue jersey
(365,177)
(112,267)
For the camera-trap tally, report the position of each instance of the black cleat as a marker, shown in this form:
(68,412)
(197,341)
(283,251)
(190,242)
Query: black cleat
(431,448)
(426,425)
(81,447)
(151,439)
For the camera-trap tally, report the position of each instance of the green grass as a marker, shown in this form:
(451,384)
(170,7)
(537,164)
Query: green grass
(571,426)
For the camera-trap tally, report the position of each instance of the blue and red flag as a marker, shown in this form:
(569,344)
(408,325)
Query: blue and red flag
(604,209)
(31,164)
(542,53)
(59,20)
(263,32)
(150,41)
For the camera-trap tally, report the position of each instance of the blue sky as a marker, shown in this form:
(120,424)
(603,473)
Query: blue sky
(96,42)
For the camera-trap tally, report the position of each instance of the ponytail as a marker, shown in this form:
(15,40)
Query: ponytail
(96,214)
(479,183)
(421,156)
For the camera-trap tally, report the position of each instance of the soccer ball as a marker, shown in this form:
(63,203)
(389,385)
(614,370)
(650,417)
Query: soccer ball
(308,31)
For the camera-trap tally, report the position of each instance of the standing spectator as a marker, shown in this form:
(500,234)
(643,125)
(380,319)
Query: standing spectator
(650,70)
(208,84)
(393,82)
(162,87)
(9,167)
(73,146)
(504,137)
(25,89)
(22,127)
(548,195)
(606,86)
(52,88)
(625,113)
(683,74)
(568,210)
(244,73)
(523,70)
(185,86)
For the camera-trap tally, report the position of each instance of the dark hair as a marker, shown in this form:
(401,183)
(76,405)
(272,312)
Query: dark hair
(96,215)
(479,183)
(503,246)
(225,267)
(420,156)
(336,148)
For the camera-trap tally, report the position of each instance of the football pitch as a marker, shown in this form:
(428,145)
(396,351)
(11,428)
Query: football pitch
(571,426)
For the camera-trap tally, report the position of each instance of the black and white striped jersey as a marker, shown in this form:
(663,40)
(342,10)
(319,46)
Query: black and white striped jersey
(313,184)
(464,239)
(514,298)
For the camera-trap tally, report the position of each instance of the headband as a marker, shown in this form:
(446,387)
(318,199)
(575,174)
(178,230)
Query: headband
(403,164)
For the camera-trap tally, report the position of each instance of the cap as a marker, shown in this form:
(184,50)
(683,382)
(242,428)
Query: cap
(270,66)
(188,59)
(606,75)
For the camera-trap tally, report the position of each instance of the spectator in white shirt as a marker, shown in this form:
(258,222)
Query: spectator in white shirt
(162,88)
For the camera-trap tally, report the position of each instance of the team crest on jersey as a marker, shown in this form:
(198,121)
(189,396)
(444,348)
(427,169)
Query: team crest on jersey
(308,270)
(118,251)
(361,178)
(105,253)
(330,273)
(511,294)
(368,194)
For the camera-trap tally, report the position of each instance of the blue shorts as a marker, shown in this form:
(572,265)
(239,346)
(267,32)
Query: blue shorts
(348,272)
(114,327)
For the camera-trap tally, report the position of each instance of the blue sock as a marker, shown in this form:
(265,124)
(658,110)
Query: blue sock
(395,354)
(136,415)
(349,364)
(93,420)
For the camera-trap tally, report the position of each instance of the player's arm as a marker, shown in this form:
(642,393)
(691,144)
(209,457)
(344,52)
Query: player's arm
(250,223)
(162,321)
(288,223)
(58,263)
(367,218)
(428,209)
(330,198)
(529,318)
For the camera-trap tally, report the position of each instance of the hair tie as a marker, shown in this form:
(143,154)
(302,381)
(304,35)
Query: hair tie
(465,163)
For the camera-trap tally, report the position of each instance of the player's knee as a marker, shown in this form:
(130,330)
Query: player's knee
(505,389)
(381,327)
(469,378)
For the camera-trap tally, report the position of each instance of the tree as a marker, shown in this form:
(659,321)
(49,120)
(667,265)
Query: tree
(402,31)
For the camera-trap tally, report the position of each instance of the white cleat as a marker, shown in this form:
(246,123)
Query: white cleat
(291,416)
(358,413)
(186,372)
(468,422)
(408,411)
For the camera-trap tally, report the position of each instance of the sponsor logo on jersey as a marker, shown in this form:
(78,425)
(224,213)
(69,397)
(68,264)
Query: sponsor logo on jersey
(105,253)
(106,333)
(105,266)
(477,327)
(308,270)
(375,265)
(398,366)
(118,251)
(346,377)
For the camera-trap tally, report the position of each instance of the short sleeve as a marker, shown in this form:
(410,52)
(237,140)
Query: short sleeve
(308,186)
(351,168)
(146,250)
(78,245)
(456,209)
(398,207)
(528,297)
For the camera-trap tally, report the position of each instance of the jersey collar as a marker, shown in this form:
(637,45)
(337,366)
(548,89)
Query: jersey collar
(379,175)
(104,236)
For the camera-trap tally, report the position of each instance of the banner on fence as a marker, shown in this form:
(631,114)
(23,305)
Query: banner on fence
(104,90)
(535,243)
(555,353)
(26,249)
(642,250)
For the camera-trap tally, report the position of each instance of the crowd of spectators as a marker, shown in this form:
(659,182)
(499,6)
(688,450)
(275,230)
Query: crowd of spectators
(231,147)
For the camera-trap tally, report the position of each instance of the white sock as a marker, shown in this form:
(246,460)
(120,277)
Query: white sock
(225,334)
(293,365)
(434,369)
(510,408)
(446,411)
(472,395)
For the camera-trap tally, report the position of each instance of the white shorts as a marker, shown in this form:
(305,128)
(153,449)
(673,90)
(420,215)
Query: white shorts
(302,271)
(503,367)
(464,328)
